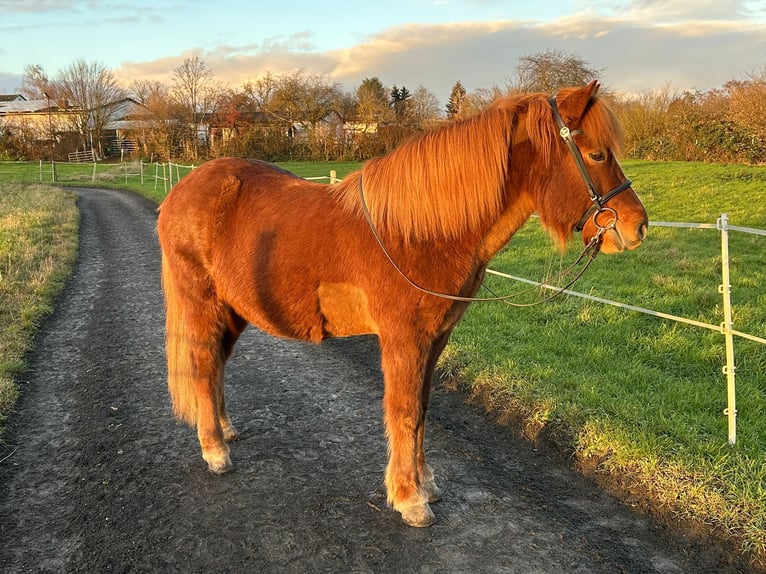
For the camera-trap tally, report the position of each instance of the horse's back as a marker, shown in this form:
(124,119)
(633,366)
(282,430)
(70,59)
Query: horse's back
(272,245)
(200,206)
(200,190)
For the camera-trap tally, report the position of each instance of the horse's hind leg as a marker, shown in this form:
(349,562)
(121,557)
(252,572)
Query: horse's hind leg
(207,387)
(234,329)
(194,329)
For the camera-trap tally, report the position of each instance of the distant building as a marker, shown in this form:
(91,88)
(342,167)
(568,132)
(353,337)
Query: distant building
(48,125)
(11,98)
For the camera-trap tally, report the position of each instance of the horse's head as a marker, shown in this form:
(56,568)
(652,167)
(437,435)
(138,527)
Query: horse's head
(587,190)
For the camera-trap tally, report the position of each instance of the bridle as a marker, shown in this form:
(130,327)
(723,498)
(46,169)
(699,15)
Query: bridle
(598,201)
(590,250)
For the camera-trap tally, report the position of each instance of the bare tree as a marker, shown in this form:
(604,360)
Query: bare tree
(261,90)
(147,92)
(345,106)
(198,96)
(551,70)
(645,123)
(746,109)
(36,84)
(425,106)
(91,89)
(301,99)
(479,99)
(162,135)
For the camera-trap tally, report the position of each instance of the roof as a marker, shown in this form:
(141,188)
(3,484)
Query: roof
(121,109)
(11,98)
(26,106)
(129,124)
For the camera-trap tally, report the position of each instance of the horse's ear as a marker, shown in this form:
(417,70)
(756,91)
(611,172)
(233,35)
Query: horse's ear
(573,103)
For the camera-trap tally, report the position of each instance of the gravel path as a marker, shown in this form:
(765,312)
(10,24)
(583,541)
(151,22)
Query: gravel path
(105,481)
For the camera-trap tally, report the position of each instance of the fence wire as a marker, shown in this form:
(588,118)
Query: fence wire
(725,327)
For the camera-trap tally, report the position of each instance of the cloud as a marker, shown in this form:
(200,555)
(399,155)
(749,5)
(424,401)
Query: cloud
(36,6)
(635,55)
(9,83)
(664,11)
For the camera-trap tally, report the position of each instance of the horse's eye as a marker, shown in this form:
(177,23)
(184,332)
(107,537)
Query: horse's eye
(597,156)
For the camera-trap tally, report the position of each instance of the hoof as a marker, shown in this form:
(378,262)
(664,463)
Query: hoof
(433,492)
(417,515)
(230,433)
(221,468)
(429,490)
(219,463)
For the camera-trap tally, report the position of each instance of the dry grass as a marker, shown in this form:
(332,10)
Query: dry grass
(38,244)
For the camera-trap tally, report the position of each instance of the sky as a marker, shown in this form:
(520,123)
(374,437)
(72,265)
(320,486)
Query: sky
(637,45)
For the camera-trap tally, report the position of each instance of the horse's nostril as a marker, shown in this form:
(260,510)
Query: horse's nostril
(641,233)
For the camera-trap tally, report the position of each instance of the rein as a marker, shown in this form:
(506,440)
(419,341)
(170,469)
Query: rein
(590,250)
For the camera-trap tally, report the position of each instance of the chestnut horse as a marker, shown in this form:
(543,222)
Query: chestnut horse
(246,242)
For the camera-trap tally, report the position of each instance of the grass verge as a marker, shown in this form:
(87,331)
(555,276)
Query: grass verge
(38,244)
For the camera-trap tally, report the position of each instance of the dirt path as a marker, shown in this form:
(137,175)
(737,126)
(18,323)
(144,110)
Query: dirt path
(104,481)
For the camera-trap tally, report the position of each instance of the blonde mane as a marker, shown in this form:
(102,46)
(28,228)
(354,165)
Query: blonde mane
(452,180)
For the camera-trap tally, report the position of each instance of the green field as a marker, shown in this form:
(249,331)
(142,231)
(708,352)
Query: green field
(638,401)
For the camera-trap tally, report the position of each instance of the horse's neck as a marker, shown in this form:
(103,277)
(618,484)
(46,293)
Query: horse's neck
(503,228)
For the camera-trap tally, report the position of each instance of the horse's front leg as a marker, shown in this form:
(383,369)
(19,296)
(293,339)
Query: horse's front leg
(404,364)
(428,483)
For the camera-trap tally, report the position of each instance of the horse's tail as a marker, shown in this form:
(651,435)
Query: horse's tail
(178,351)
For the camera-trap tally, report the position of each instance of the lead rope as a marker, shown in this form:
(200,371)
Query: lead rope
(591,250)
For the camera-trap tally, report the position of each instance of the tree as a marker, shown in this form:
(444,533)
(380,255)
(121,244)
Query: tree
(401,104)
(301,99)
(303,105)
(345,106)
(163,136)
(198,95)
(456,101)
(480,99)
(148,92)
(91,89)
(425,106)
(747,107)
(36,84)
(644,122)
(372,101)
(550,71)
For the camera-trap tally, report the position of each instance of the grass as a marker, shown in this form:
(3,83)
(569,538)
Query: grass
(640,400)
(637,400)
(151,180)
(38,242)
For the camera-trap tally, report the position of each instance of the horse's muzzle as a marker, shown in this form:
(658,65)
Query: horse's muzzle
(620,239)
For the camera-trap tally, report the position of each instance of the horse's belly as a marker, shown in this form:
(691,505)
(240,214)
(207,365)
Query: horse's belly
(344,310)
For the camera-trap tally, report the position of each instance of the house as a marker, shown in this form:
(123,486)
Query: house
(16,105)
(34,122)
(29,128)
(128,121)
